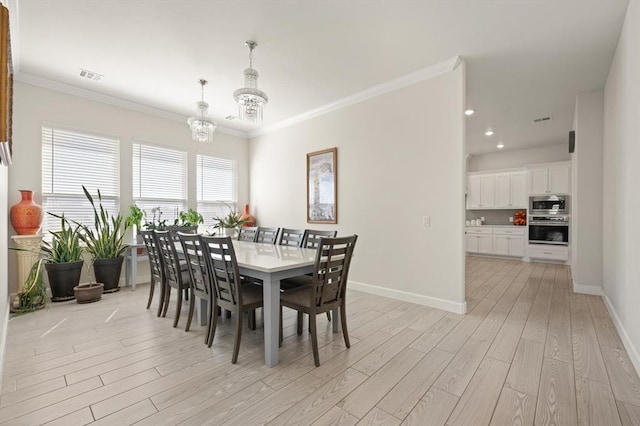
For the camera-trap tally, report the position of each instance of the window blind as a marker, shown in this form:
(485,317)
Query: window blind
(159,180)
(216,186)
(71,159)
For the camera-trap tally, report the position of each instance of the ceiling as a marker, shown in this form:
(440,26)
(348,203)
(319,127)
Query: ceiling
(525,59)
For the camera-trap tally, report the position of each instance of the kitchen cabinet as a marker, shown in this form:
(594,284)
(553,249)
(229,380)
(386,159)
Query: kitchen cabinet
(481,191)
(501,241)
(549,252)
(551,179)
(511,191)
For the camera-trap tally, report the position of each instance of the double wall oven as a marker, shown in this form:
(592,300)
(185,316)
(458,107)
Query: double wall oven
(549,220)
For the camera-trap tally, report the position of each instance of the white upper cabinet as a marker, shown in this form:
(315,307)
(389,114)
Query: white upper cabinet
(554,179)
(511,191)
(481,191)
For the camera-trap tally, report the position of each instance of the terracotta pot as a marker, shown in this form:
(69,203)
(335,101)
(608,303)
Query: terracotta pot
(26,216)
(87,293)
(247,215)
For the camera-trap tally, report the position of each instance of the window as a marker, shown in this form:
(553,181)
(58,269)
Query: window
(159,180)
(216,187)
(71,159)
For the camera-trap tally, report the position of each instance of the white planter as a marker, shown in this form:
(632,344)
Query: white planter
(230,232)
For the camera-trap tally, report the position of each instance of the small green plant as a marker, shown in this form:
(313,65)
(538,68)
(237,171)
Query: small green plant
(106,240)
(230,220)
(136,215)
(65,244)
(156,222)
(189,218)
(33,294)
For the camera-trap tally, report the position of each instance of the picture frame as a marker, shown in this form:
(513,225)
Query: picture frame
(6,88)
(322,186)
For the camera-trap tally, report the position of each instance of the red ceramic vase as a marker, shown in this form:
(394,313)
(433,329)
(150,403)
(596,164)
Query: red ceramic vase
(26,216)
(247,215)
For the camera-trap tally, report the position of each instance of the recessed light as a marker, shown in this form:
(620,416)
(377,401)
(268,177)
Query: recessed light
(500,145)
(469,111)
(489,132)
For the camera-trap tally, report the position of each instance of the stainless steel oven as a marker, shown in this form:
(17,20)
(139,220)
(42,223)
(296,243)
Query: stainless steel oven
(548,205)
(550,229)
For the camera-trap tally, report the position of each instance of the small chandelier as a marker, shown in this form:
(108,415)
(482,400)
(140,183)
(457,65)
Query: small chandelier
(202,127)
(251,101)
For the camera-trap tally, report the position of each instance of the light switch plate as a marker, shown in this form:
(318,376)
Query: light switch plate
(426,220)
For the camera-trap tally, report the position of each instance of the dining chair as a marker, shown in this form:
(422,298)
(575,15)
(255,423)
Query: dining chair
(156,265)
(312,237)
(201,285)
(267,235)
(176,276)
(291,237)
(229,292)
(248,233)
(327,287)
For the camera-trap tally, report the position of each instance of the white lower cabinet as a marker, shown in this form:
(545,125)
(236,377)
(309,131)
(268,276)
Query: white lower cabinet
(548,252)
(498,241)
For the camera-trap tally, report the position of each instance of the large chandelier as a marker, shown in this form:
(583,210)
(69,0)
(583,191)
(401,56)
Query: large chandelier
(202,127)
(251,101)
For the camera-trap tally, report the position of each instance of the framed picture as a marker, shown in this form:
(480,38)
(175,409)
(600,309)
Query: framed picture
(6,87)
(322,186)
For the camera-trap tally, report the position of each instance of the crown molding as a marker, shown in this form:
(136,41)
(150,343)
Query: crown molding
(391,85)
(112,100)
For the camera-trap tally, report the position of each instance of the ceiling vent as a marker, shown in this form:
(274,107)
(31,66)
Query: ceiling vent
(231,117)
(541,119)
(94,76)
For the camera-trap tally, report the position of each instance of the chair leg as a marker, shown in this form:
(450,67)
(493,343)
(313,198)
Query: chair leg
(300,322)
(209,320)
(167,298)
(343,321)
(186,294)
(329,315)
(178,308)
(162,296)
(314,339)
(236,346)
(227,313)
(214,323)
(152,287)
(252,319)
(191,309)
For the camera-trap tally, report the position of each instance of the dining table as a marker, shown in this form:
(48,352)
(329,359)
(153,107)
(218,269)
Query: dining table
(270,264)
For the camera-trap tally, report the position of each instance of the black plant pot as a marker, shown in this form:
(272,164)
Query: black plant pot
(63,277)
(107,272)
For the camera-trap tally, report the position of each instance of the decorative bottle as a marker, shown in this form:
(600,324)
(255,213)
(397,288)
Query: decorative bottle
(246,215)
(26,216)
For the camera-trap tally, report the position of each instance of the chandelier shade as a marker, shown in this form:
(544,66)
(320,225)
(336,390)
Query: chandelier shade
(202,127)
(251,101)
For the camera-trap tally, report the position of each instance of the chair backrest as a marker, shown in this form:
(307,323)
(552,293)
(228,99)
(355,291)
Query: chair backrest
(223,270)
(291,237)
(248,233)
(167,247)
(312,239)
(197,264)
(267,235)
(174,229)
(156,261)
(331,271)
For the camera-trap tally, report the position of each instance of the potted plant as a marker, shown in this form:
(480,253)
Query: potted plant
(156,221)
(63,260)
(186,221)
(87,293)
(105,243)
(134,220)
(229,224)
(33,295)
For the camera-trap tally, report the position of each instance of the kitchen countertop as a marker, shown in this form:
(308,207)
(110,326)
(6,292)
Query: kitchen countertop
(496,226)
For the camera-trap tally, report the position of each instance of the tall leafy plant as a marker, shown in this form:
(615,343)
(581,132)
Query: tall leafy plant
(65,244)
(106,239)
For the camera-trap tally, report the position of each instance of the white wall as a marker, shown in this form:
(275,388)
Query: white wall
(586,215)
(400,157)
(4,287)
(519,157)
(621,200)
(35,105)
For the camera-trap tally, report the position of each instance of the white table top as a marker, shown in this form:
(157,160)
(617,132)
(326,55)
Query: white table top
(272,258)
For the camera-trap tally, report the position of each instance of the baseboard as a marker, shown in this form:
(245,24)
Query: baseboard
(626,341)
(405,296)
(594,290)
(3,338)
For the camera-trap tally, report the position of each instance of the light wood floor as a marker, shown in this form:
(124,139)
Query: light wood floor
(529,352)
